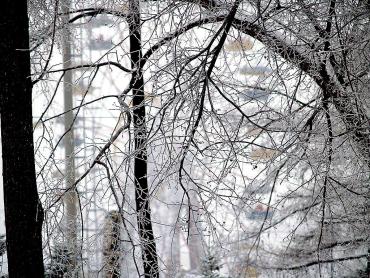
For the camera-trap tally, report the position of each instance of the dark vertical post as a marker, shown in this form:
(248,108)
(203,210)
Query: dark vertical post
(23,211)
(148,246)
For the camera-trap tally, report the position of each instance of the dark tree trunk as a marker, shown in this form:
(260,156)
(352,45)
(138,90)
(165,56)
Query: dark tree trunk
(23,212)
(148,246)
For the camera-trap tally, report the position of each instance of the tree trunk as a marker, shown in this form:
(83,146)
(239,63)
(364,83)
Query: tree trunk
(23,211)
(148,246)
(70,197)
(195,236)
(111,245)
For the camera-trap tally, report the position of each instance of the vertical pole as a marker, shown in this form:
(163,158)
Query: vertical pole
(194,245)
(70,198)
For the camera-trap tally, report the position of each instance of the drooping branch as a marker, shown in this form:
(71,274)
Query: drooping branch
(320,262)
